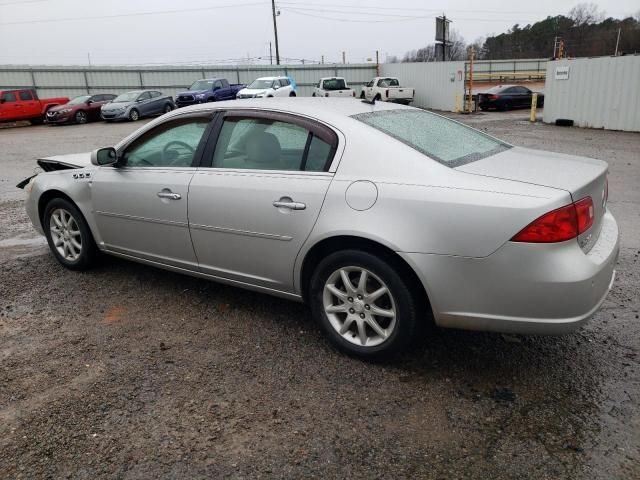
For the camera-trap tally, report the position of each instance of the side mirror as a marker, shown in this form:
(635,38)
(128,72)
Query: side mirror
(103,157)
(276,87)
(89,102)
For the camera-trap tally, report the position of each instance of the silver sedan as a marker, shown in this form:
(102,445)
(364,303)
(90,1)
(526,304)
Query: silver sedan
(381,217)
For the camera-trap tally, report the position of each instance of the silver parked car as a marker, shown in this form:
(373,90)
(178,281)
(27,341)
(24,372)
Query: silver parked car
(137,104)
(380,217)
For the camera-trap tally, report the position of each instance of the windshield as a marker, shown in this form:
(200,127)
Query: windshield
(79,100)
(439,138)
(202,85)
(335,84)
(127,97)
(389,82)
(261,84)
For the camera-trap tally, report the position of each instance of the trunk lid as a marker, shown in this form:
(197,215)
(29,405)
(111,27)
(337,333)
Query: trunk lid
(580,176)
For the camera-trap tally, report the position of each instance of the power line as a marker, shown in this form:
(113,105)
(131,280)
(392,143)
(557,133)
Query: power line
(351,20)
(135,14)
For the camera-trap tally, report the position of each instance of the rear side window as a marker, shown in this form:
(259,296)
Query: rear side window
(267,144)
(334,84)
(26,95)
(284,82)
(439,138)
(8,97)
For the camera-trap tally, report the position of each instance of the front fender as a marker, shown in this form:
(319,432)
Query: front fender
(62,183)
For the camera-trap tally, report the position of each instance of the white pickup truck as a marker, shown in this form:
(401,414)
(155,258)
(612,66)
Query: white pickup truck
(387,89)
(333,87)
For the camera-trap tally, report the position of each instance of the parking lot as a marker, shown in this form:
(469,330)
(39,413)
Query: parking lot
(127,371)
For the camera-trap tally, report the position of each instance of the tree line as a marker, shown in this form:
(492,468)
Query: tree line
(584,32)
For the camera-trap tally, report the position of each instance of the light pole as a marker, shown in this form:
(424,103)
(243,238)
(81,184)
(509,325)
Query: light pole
(275,30)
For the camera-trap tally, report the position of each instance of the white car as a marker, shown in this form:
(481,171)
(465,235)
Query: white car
(333,87)
(269,87)
(387,89)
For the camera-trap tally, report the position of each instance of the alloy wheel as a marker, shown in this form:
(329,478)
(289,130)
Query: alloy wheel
(359,306)
(81,117)
(66,235)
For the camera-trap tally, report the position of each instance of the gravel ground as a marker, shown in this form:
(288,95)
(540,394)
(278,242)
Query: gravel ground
(131,372)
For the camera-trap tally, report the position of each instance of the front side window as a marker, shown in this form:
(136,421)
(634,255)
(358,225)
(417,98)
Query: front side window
(26,95)
(217,85)
(261,83)
(265,144)
(8,97)
(439,138)
(145,96)
(172,144)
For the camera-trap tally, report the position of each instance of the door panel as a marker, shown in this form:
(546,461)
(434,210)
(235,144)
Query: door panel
(239,234)
(141,206)
(133,219)
(251,212)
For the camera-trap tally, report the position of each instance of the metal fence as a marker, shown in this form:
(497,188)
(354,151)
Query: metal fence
(508,70)
(599,92)
(50,81)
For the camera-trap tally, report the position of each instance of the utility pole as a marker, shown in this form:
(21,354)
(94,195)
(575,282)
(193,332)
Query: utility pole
(322,61)
(275,30)
(89,54)
(471,53)
(270,54)
(617,42)
(377,63)
(344,57)
(444,35)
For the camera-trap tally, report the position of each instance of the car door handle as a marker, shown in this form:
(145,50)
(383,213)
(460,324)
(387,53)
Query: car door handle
(169,195)
(290,204)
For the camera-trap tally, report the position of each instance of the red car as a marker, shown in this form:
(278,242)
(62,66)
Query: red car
(80,109)
(24,104)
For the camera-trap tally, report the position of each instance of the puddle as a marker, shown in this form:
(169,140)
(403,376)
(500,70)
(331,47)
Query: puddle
(22,246)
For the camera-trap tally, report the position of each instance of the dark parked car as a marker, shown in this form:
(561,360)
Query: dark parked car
(506,97)
(137,104)
(209,90)
(80,109)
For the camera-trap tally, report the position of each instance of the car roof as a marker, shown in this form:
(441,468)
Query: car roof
(270,78)
(334,111)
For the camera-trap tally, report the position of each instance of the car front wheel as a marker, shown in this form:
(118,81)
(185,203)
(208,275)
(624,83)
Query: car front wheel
(68,235)
(363,303)
(134,115)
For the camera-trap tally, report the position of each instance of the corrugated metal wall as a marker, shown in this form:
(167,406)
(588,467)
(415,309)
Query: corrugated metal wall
(600,92)
(436,83)
(72,81)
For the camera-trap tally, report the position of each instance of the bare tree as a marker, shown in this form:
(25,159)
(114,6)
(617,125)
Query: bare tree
(457,46)
(586,14)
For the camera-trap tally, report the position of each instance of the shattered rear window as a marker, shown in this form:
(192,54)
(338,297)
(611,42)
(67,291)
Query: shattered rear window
(437,137)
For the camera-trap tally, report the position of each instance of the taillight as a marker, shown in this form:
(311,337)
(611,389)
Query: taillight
(584,209)
(493,97)
(387,93)
(354,93)
(559,225)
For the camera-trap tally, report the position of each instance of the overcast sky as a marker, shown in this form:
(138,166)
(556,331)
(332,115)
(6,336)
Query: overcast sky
(125,31)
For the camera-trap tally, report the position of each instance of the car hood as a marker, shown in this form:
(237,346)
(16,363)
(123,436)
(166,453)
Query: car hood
(254,91)
(116,105)
(549,169)
(193,92)
(58,108)
(64,162)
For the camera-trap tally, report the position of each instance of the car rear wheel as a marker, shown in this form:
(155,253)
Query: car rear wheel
(363,96)
(363,304)
(134,115)
(167,108)
(292,94)
(81,117)
(68,235)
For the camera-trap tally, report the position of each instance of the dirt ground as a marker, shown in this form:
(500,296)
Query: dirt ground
(131,372)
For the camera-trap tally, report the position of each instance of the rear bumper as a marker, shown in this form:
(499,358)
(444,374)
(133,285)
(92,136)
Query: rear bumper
(524,288)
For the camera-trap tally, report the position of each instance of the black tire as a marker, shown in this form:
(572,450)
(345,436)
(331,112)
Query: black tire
(402,294)
(134,115)
(167,108)
(313,94)
(36,121)
(81,117)
(506,106)
(88,251)
(378,98)
(292,94)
